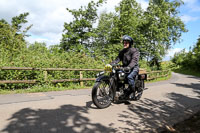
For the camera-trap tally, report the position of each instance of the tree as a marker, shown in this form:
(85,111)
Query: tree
(103,44)
(3,21)
(129,17)
(154,30)
(9,41)
(112,26)
(104,29)
(18,21)
(162,27)
(12,39)
(191,60)
(179,57)
(80,31)
(188,60)
(196,51)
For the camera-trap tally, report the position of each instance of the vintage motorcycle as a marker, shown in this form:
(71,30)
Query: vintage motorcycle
(113,87)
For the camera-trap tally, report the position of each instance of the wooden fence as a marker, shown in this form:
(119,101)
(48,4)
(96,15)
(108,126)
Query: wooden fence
(150,75)
(157,74)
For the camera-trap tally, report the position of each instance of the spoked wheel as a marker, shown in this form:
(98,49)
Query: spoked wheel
(102,94)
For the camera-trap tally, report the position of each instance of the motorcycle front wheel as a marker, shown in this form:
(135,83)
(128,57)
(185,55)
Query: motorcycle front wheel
(102,94)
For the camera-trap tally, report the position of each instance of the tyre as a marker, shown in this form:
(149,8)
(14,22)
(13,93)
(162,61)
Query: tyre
(139,91)
(102,94)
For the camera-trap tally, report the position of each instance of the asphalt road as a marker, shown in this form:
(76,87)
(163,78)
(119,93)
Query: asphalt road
(163,104)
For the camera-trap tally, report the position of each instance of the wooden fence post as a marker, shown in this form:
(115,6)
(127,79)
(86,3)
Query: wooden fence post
(45,76)
(81,77)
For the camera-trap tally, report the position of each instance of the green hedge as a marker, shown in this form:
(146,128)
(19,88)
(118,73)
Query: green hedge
(38,56)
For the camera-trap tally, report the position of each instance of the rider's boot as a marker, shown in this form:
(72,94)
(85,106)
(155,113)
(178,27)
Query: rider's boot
(132,95)
(127,92)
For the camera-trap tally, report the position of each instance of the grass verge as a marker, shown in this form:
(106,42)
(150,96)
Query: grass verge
(187,71)
(159,79)
(190,125)
(42,88)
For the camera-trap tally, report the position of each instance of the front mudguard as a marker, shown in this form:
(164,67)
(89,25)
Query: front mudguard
(102,78)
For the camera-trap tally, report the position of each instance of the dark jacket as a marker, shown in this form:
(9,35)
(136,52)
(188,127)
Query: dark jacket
(129,58)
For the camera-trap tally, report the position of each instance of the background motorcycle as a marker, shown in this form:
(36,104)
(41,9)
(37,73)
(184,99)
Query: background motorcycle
(112,85)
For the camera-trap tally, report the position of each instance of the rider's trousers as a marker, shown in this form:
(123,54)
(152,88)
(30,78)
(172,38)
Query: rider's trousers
(131,78)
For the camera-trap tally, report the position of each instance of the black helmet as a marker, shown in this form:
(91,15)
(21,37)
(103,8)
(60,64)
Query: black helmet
(128,38)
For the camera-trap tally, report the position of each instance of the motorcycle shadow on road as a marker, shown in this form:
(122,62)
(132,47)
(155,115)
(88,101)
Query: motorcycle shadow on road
(65,119)
(90,104)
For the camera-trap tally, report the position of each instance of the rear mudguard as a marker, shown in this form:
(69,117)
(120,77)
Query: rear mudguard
(142,76)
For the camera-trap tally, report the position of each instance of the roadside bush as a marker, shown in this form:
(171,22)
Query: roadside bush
(38,56)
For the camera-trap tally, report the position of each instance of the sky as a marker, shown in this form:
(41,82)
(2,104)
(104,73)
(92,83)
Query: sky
(48,17)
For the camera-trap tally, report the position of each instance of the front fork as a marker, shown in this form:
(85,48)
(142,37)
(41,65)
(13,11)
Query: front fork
(113,86)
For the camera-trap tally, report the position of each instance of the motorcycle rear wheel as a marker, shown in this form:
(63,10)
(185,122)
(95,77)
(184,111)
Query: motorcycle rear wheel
(102,94)
(138,94)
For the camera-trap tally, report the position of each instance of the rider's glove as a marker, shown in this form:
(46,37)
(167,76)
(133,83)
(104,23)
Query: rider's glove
(127,69)
(108,67)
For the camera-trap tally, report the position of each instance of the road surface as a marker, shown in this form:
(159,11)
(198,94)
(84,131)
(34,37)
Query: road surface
(162,104)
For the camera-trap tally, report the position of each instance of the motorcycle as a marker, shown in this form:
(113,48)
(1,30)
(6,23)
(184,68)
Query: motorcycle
(111,87)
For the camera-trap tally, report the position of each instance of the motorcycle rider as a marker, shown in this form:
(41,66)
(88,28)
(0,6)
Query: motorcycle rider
(130,58)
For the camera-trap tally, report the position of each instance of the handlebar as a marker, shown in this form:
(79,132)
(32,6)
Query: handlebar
(118,67)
